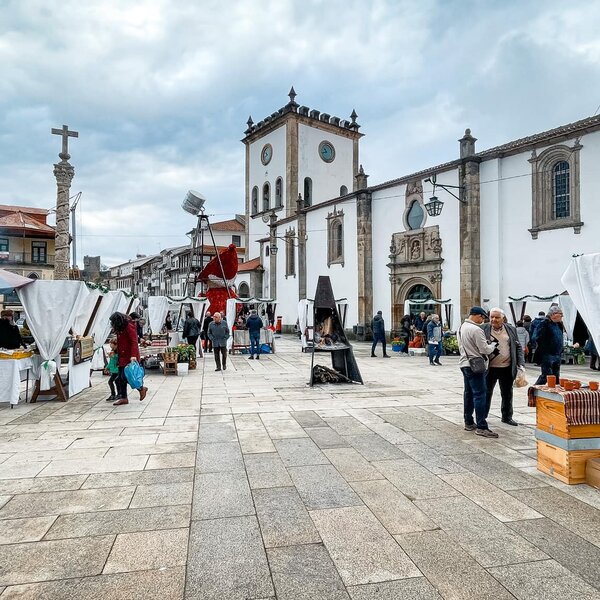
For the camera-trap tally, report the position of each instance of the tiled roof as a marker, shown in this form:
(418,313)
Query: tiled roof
(23,209)
(251,265)
(230,225)
(23,222)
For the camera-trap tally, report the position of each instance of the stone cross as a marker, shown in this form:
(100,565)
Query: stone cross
(66,134)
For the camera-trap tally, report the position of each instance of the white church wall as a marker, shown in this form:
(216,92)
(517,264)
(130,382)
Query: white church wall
(528,266)
(327,178)
(344,279)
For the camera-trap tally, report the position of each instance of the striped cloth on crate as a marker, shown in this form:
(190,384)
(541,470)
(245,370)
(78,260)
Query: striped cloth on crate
(582,406)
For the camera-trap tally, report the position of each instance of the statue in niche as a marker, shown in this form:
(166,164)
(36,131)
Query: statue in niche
(415,250)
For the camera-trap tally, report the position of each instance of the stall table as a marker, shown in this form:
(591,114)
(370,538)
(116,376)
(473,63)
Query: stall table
(12,368)
(241,339)
(567,430)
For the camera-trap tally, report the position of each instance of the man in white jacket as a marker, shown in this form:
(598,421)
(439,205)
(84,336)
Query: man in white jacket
(472,343)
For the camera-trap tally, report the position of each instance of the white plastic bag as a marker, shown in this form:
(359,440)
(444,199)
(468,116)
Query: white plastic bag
(521,378)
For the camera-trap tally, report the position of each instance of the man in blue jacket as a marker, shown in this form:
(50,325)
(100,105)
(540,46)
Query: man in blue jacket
(254,325)
(378,328)
(550,344)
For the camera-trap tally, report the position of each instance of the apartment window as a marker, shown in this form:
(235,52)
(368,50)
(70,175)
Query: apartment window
(3,245)
(236,240)
(38,252)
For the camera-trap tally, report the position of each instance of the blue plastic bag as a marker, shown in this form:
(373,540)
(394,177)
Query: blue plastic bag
(134,373)
(265,349)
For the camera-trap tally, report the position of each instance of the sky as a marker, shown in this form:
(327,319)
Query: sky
(160,93)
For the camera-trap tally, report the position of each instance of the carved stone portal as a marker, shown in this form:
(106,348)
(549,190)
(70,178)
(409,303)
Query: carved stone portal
(415,259)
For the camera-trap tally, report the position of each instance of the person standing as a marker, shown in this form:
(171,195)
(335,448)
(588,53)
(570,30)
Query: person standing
(549,341)
(505,364)
(10,336)
(128,352)
(378,328)
(434,340)
(113,371)
(191,329)
(218,334)
(254,325)
(591,348)
(533,329)
(420,321)
(523,335)
(205,323)
(472,344)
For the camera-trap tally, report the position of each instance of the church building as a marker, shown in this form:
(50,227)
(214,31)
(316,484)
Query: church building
(486,228)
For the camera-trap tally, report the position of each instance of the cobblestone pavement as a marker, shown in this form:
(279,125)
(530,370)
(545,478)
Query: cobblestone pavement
(247,484)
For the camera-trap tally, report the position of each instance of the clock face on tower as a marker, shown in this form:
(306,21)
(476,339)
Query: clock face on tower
(266,154)
(327,151)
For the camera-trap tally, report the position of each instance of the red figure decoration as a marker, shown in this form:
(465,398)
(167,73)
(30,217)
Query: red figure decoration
(218,292)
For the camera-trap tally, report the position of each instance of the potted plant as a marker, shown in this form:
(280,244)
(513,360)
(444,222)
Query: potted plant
(397,344)
(450,344)
(186,353)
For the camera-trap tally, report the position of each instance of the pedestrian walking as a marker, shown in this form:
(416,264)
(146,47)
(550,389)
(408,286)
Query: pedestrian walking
(549,341)
(254,325)
(591,348)
(208,319)
(128,351)
(191,329)
(218,334)
(10,336)
(113,370)
(474,351)
(505,364)
(532,331)
(523,335)
(434,340)
(378,328)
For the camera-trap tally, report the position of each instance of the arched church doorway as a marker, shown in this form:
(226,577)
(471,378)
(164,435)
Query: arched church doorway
(244,290)
(416,293)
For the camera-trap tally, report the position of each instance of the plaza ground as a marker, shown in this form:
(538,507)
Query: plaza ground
(248,484)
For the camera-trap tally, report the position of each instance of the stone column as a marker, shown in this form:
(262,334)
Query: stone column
(364,247)
(64,173)
(469,222)
(301,248)
(272,256)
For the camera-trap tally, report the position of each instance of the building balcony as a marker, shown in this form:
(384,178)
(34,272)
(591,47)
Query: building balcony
(26,258)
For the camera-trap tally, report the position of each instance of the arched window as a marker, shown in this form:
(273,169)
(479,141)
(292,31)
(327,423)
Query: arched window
(244,291)
(415,216)
(335,238)
(307,191)
(561,196)
(343,190)
(266,196)
(254,200)
(33,275)
(278,192)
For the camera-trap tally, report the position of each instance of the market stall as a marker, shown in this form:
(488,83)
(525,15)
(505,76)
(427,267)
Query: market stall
(430,303)
(239,339)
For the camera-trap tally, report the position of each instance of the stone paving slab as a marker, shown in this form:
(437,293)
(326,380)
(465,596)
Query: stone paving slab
(218,495)
(417,588)
(266,471)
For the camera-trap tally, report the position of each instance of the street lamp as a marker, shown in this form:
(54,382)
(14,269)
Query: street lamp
(435,205)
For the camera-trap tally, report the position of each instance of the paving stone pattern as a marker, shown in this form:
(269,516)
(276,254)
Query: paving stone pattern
(248,484)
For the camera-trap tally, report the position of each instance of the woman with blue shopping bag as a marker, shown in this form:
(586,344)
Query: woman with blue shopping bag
(128,351)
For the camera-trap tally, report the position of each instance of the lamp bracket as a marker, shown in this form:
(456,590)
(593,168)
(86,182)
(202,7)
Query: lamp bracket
(445,187)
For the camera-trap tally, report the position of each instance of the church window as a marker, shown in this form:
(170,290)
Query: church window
(254,200)
(416,215)
(278,193)
(266,196)
(335,238)
(3,244)
(290,253)
(555,189)
(561,200)
(343,190)
(244,291)
(307,191)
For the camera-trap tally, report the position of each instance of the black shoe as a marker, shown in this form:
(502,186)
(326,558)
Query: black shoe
(112,398)
(373,355)
(224,367)
(432,363)
(217,369)
(437,362)
(510,422)
(386,356)
(251,357)
(258,358)
(488,433)
(471,427)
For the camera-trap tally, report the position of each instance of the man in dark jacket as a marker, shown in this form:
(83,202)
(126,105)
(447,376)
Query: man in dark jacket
(254,325)
(207,321)
(191,328)
(218,334)
(550,344)
(378,328)
(10,336)
(504,363)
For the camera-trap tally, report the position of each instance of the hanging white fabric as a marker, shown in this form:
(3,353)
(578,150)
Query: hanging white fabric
(51,308)
(230,312)
(569,313)
(582,281)
(199,308)
(305,318)
(158,306)
(101,326)
(87,308)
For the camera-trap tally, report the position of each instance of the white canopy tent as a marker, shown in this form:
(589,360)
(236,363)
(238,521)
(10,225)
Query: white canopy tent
(582,281)
(431,302)
(231,311)
(101,326)
(159,307)
(51,308)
